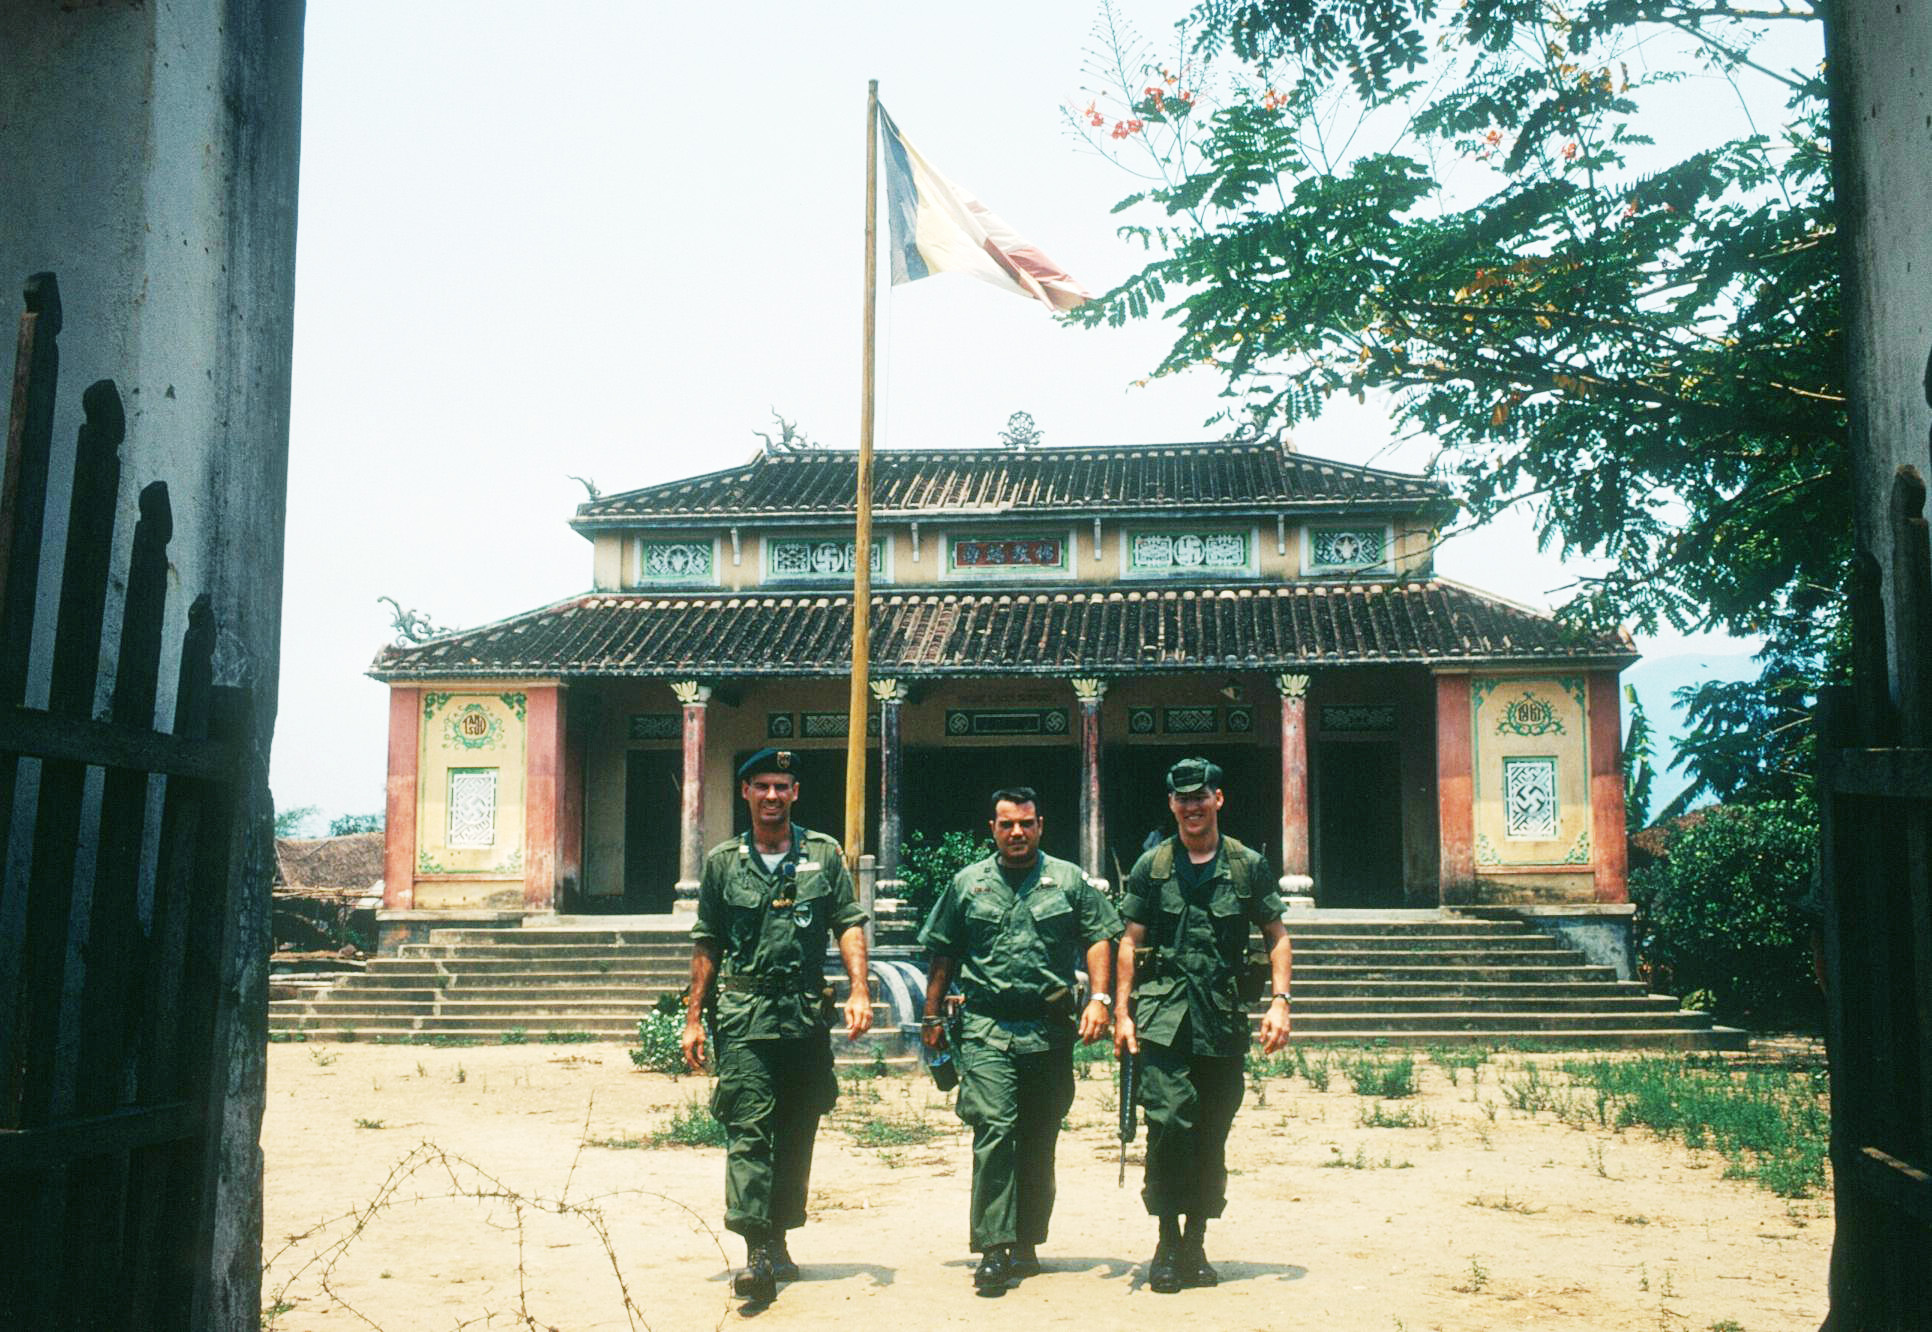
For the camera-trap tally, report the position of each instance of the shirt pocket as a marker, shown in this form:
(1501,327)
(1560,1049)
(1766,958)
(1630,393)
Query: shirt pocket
(811,899)
(1052,915)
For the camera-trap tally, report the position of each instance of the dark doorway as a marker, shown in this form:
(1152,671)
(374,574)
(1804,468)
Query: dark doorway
(821,793)
(946,790)
(1134,778)
(652,804)
(1358,800)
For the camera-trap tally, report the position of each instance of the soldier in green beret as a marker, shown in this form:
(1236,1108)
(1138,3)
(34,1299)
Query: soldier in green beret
(1012,929)
(767,903)
(1189,905)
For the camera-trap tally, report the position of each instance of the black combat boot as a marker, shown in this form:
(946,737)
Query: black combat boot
(755,1282)
(1026,1260)
(782,1266)
(1164,1272)
(995,1270)
(1195,1268)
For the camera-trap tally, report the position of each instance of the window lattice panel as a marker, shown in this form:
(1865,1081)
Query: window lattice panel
(472,808)
(1529,799)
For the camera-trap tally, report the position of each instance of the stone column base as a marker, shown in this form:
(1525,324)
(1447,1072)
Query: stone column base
(1297,892)
(687,897)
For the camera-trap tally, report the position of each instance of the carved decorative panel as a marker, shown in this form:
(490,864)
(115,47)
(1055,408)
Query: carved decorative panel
(674,562)
(1529,798)
(472,808)
(1338,549)
(656,726)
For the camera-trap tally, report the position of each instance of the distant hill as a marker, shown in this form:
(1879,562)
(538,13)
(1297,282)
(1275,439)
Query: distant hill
(1657,680)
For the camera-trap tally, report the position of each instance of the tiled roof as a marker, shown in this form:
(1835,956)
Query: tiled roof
(1071,631)
(819,484)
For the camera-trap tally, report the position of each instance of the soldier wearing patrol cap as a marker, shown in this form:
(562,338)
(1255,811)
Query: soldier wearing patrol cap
(1189,905)
(767,902)
(1012,928)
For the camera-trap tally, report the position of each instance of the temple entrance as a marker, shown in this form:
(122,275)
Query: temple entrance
(946,790)
(651,811)
(1134,780)
(1357,850)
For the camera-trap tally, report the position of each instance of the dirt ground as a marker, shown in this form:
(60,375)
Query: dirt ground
(441,1188)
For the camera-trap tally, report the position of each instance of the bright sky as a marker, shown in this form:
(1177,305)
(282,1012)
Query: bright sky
(608,239)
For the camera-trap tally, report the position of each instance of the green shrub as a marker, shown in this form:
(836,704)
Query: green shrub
(928,866)
(1374,1077)
(692,1125)
(1721,912)
(660,1036)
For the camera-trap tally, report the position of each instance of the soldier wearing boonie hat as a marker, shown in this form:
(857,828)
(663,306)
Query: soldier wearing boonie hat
(767,903)
(1189,905)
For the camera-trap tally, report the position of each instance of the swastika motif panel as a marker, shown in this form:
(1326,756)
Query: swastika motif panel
(1154,553)
(472,808)
(1006,721)
(1352,717)
(832,725)
(1529,798)
(803,558)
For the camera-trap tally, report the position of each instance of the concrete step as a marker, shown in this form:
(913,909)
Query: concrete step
(669,941)
(649,980)
(1391,1023)
(1436,972)
(1318,1006)
(1708,1038)
(1526,941)
(523,953)
(1443,957)
(1303,927)
(603,962)
(1528,990)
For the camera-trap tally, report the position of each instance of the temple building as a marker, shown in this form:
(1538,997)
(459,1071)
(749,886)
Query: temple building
(1072,619)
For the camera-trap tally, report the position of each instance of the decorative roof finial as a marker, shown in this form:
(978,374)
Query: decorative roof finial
(1020,432)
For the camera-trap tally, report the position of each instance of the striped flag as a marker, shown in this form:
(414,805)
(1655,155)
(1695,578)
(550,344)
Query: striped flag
(937,227)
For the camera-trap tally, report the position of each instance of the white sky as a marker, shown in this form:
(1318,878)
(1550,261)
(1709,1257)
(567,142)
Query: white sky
(607,239)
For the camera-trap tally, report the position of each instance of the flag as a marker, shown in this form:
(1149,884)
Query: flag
(937,227)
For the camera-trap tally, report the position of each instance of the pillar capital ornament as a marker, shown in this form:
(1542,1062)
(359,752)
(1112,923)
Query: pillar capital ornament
(889,691)
(1088,689)
(691,692)
(1292,687)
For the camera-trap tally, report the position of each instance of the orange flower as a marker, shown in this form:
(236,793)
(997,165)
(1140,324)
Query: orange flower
(1120,129)
(1493,138)
(1187,97)
(1569,151)
(1134,127)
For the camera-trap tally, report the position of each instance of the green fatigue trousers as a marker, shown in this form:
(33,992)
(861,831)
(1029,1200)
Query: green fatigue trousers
(1190,1102)
(769,1097)
(1014,1103)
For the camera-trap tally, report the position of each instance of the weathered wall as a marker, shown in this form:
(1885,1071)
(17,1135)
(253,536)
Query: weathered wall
(1880,54)
(478,738)
(148,157)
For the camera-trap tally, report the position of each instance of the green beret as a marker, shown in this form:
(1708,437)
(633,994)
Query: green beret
(768,760)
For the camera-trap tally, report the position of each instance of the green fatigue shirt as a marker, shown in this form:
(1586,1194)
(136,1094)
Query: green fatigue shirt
(1015,947)
(1200,937)
(770,928)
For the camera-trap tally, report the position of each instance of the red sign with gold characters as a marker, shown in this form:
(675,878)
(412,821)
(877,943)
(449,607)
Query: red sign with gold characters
(1034,552)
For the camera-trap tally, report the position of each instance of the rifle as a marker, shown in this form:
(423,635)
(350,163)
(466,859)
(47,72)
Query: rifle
(1129,1080)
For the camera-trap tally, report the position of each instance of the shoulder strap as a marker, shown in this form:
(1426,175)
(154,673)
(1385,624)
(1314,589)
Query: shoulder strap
(1236,856)
(1162,866)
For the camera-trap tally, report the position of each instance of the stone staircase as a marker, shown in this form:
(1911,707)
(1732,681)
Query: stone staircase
(1360,978)
(488,985)
(1448,980)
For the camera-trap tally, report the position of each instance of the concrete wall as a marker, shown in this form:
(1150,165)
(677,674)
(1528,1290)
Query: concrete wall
(148,157)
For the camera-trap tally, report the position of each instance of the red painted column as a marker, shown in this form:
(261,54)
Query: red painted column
(694,697)
(1455,787)
(1607,827)
(1093,838)
(578,711)
(1295,879)
(542,794)
(399,805)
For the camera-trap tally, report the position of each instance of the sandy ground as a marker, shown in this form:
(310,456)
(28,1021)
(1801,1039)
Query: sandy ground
(440,1188)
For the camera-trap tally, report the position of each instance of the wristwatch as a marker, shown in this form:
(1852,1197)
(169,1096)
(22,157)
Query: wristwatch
(1281,995)
(1102,998)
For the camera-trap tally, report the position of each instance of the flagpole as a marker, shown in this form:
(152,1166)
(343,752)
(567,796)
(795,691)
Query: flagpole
(855,735)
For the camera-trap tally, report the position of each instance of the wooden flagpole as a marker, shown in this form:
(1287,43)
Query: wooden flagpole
(860,708)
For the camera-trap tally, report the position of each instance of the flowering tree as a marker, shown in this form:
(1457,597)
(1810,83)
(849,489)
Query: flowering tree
(1495,215)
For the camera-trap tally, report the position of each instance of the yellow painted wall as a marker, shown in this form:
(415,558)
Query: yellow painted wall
(1531,719)
(470,730)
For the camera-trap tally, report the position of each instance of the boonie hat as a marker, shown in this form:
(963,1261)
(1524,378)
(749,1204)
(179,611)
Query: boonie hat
(768,760)
(1193,774)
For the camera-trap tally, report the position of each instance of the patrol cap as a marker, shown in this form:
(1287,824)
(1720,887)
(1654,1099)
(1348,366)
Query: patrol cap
(1193,774)
(768,760)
